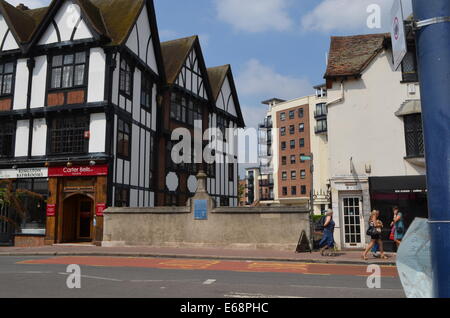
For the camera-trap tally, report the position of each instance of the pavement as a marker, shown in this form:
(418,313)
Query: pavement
(342,257)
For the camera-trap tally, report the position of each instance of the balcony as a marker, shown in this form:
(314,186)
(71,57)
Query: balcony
(268,124)
(321,129)
(322,113)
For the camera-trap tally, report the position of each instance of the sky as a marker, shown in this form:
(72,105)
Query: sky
(276,48)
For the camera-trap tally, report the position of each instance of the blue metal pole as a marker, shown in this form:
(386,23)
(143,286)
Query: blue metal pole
(433,52)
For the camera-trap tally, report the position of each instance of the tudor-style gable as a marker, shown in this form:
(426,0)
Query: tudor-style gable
(8,42)
(70,21)
(16,26)
(224,92)
(185,66)
(141,40)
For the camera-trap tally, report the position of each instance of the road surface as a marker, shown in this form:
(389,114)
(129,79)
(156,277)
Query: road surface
(116,277)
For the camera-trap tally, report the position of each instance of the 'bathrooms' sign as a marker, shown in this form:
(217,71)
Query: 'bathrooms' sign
(24,173)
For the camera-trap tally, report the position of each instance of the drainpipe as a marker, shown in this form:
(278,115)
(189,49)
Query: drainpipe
(433,54)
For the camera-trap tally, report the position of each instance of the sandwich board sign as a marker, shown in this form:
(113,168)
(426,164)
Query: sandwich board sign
(398,36)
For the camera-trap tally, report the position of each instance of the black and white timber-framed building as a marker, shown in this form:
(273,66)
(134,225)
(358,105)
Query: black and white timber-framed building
(84,89)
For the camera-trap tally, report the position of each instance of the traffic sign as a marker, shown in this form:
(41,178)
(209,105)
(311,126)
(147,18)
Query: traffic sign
(399,46)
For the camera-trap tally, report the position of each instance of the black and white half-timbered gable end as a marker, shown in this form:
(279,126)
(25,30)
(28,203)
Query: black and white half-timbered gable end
(223,176)
(196,92)
(187,101)
(79,82)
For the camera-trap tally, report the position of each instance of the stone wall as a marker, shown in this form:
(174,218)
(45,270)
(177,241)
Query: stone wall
(261,227)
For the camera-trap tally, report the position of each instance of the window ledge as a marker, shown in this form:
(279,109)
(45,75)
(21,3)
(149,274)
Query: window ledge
(417,161)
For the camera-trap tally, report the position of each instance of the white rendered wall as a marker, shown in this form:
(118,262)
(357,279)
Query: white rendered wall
(22,135)
(98,133)
(21,85)
(39,137)
(39,82)
(97,69)
(364,127)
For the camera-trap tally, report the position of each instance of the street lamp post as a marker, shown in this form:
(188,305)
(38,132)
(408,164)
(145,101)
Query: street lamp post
(310,158)
(433,54)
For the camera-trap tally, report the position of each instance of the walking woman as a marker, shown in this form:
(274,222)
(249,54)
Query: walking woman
(374,231)
(327,241)
(399,226)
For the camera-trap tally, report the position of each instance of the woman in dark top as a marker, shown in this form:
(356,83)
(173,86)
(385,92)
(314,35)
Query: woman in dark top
(327,241)
(376,225)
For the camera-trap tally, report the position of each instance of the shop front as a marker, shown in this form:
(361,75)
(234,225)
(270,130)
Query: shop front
(77,199)
(408,193)
(22,215)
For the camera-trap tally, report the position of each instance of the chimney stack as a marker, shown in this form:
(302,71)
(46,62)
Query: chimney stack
(22,7)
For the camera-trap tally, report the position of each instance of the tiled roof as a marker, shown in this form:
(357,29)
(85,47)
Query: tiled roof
(111,19)
(22,23)
(217,76)
(350,55)
(175,54)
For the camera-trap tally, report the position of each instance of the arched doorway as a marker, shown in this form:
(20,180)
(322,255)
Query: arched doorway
(78,215)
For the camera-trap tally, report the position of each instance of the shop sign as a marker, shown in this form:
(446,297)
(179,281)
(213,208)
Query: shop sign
(51,209)
(24,173)
(101,207)
(78,171)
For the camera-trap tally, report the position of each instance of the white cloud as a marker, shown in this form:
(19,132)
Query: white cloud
(255,15)
(262,81)
(348,15)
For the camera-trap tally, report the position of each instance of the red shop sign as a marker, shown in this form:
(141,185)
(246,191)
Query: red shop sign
(51,209)
(78,171)
(101,207)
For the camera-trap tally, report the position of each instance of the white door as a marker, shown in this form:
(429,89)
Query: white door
(353,221)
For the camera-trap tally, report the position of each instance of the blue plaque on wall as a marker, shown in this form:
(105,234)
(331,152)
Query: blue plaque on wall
(201,209)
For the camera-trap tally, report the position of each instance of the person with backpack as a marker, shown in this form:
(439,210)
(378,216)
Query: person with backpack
(327,241)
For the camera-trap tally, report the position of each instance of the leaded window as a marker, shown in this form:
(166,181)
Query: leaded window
(69,135)
(409,67)
(415,146)
(126,75)
(68,70)
(185,109)
(124,139)
(6,139)
(146,93)
(6,78)
(121,197)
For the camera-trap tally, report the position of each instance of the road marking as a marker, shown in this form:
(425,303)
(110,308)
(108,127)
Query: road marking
(209,282)
(247,295)
(96,277)
(335,287)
